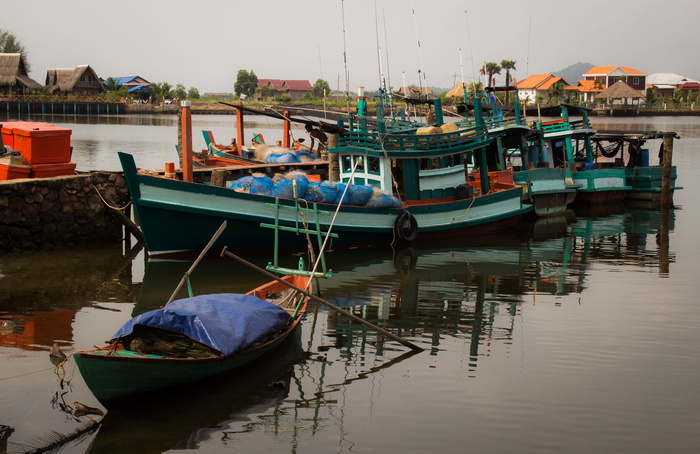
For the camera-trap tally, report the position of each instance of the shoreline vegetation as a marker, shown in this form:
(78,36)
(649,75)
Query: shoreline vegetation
(71,104)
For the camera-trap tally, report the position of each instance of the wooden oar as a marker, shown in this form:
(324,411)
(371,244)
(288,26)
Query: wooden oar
(384,332)
(196,262)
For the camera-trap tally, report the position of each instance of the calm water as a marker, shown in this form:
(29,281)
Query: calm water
(576,334)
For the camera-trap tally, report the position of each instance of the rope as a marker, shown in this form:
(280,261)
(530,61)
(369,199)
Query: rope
(107,204)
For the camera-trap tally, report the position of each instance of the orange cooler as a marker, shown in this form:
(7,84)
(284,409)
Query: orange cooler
(40,143)
(52,170)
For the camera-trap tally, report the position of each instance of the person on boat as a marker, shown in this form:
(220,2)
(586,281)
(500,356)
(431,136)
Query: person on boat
(317,134)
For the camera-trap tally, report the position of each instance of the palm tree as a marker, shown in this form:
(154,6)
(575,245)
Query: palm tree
(556,91)
(489,69)
(507,65)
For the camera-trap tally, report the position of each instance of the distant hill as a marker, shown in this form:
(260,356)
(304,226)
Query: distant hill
(574,73)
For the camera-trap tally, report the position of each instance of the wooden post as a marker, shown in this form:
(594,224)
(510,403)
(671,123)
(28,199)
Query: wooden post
(186,161)
(666,191)
(240,133)
(287,128)
(333,161)
(217,178)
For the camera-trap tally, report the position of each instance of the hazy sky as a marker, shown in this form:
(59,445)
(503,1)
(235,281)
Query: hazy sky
(205,43)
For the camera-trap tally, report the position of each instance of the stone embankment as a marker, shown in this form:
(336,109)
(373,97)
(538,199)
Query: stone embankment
(43,213)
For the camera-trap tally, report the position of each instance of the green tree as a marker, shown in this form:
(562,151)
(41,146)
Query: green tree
(489,69)
(507,65)
(9,44)
(678,96)
(192,93)
(180,92)
(650,97)
(320,89)
(160,91)
(267,92)
(113,90)
(285,98)
(246,83)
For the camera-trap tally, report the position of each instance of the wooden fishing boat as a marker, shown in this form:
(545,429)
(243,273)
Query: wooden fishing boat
(420,180)
(517,159)
(643,177)
(192,339)
(569,144)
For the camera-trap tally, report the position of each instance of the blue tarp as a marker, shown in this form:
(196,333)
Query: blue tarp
(227,322)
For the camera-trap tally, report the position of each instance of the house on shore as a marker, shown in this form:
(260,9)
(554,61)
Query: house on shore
(14,79)
(80,81)
(294,88)
(607,76)
(133,84)
(538,85)
(665,84)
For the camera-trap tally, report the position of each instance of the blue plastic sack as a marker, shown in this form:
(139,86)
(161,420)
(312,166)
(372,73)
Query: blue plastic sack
(284,188)
(341,189)
(323,192)
(253,184)
(359,195)
(381,200)
(286,158)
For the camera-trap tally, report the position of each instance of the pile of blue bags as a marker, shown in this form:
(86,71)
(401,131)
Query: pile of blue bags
(296,185)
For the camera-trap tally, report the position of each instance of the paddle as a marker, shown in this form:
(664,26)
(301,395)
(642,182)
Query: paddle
(384,332)
(196,262)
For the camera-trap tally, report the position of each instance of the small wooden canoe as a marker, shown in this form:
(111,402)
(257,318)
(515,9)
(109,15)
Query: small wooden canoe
(122,369)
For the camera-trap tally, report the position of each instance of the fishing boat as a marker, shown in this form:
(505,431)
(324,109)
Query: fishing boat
(517,159)
(193,338)
(419,181)
(644,178)
(568,143)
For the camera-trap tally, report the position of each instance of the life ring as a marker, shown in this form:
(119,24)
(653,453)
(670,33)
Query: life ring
(406,227)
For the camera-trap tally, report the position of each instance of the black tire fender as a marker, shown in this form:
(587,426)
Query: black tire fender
(406,227)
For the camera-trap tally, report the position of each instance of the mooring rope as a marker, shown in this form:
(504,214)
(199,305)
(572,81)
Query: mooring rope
(107,204)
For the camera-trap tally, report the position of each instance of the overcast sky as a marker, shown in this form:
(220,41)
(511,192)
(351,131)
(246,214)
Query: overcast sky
(205,43)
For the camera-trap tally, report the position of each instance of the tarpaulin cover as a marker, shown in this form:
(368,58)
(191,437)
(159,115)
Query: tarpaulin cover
(227,322)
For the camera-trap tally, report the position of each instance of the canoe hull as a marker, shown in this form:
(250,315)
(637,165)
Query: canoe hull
(116,377)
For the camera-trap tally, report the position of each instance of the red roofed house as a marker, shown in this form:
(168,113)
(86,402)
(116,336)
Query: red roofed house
(295,88)
(611,74)
(538,85)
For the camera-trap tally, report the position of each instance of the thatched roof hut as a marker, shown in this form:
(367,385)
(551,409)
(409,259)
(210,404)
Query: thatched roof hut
(82,80)
(620,91)
(458,90)
(14,79)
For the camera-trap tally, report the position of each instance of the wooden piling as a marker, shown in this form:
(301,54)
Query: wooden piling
(666,164)
(187,172)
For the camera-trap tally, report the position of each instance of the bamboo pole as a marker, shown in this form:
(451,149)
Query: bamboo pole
(354,317)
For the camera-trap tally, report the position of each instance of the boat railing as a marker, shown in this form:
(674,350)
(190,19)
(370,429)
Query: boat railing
(471,137)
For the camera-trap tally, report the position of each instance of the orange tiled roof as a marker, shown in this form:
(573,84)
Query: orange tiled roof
(587,86)
(533,81)
(609,69)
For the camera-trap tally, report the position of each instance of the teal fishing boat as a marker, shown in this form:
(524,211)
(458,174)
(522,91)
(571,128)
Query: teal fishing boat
(644,178)
(517,158)
(192,339)
(385,187)
(568,143)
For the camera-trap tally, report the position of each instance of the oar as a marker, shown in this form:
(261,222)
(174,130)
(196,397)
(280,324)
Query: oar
(196,262)
(384,332)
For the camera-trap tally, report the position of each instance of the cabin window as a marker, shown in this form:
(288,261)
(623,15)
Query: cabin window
(347,163)
(635,81)
(373,165)
(425,164)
